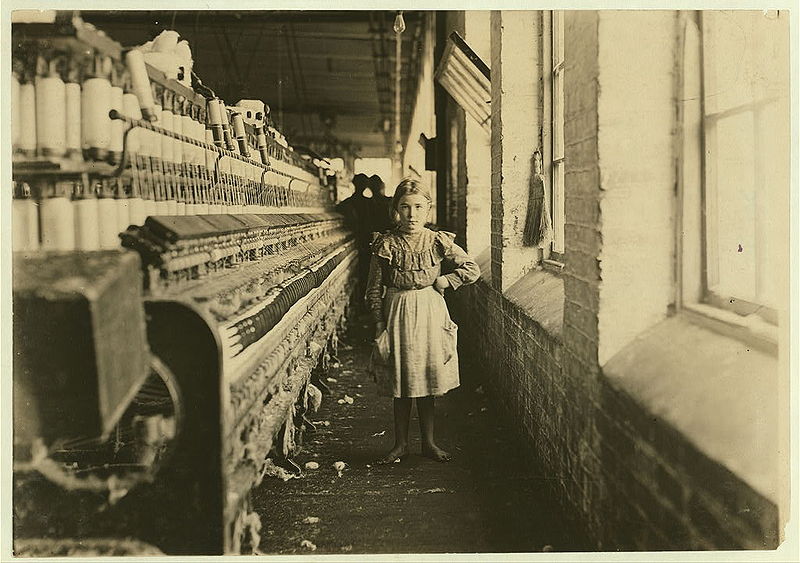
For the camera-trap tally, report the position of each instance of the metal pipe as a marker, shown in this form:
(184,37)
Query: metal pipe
(399,27)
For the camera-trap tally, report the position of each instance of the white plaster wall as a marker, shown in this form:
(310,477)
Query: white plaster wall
(478,149)
(519,136)
(636,123)
(422,122)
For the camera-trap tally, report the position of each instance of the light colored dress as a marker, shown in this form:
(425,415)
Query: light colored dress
(422,337)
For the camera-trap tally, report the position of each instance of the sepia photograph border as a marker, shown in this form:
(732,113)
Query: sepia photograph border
(789,549)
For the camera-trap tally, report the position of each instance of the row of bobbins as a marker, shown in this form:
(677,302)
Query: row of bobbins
(60,107)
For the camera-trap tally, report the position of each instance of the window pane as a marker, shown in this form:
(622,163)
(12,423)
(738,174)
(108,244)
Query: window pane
(744,61)
(735,206)
(557,148)
(746,87)
(771,175)
(558,206)
(558,116)
(558,37)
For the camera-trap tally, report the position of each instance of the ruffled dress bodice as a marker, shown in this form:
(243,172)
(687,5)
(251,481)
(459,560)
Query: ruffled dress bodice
(412,262)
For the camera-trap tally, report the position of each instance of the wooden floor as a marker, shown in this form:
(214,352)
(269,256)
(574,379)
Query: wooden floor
(490,498)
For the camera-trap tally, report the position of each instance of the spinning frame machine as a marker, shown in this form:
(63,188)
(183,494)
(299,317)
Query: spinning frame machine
(151,384)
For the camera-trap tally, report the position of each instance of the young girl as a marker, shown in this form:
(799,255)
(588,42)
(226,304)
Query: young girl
(407,261)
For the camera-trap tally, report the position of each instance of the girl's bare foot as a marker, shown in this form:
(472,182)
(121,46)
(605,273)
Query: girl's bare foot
(397,452)
(435,453)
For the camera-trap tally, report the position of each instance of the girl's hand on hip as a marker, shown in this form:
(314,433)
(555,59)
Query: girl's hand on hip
(379,328)
(440,284)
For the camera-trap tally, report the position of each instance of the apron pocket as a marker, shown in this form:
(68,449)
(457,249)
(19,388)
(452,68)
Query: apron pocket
(449,340)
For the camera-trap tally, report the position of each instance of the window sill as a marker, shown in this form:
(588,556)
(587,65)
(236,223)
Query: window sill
(540,295)
(750,329)
(555,266)
(722,395)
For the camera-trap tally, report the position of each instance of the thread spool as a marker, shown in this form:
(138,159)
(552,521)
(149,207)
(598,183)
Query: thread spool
(51,109)
(135,204)
(136,211)
(156,204)
(162,208)
(123,214)
(180,156)
(210,156)
(117,126)
(261,140)
(25,220)
(226,129)
(57,214)
(229,194)
(190,130)
(108,223)
(73,119)
(245,188)
(167,143)
(187,129)
(95,123)
(199,135)
(149,206)
(87,218)
(147,186)
(154,141)
(123,207)
(227,186)
(239,133)
(258,194)
(15,111)
(249,189)
(191,204)
(198,159)
(27,119)
(130,105)
(214,112)
(199,167)
(134,59)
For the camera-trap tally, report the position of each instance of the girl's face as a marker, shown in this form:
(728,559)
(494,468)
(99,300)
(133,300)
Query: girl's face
(413,210)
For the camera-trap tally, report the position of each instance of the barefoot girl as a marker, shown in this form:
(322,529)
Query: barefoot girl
(409,261)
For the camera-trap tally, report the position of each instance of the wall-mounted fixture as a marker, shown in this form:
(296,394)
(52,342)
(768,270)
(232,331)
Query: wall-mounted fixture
(429,145)
(467,79)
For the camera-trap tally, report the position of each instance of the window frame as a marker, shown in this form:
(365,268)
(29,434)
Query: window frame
(709,220)
(553,46)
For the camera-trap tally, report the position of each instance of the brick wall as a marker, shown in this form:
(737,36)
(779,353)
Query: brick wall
(517,103)
(637,123)
(581,272)
(674,496)
(496,239)
(631,480)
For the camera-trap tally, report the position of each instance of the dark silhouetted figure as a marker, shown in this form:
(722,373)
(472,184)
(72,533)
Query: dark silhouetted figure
(381,205)
(357,211)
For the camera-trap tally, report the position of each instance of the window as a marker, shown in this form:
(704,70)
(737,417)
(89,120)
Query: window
(746,146)
(556,138)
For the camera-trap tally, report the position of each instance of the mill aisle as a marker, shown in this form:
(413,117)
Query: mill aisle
(489,499)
